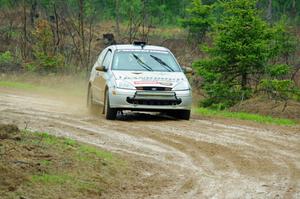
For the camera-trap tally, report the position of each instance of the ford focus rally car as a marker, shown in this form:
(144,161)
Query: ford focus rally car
(139,77)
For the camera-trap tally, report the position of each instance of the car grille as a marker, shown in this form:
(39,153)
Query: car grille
(157,98)
(153,88)
(153,102)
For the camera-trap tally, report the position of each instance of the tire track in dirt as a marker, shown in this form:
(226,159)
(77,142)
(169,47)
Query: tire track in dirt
(202,158)
(63,125)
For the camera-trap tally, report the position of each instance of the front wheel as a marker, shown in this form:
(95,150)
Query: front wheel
(184,114)
(181,114)
(110,113)
(89,102)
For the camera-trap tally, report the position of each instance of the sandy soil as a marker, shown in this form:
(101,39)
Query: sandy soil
(178,159)
(264,106)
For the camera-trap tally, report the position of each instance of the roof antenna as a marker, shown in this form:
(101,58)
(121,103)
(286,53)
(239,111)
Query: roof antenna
(139,43)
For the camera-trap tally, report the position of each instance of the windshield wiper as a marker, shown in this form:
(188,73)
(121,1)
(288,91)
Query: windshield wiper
(162,63)
(141,63)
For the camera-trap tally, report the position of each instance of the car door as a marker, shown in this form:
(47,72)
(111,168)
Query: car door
(94,74)
(100,80)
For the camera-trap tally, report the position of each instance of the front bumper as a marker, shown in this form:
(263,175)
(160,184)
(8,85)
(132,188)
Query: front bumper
(150,100)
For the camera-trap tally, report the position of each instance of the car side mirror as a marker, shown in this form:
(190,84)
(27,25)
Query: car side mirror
(187,70)
(101,69)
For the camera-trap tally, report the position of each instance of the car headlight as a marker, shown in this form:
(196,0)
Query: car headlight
(182,86)
(124,85)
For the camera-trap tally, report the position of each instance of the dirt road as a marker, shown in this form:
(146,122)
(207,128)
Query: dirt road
(176,159)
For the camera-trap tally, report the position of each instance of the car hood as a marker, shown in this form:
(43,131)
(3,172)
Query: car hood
(160,79)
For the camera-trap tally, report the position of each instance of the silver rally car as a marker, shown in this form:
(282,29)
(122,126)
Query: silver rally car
(139,77)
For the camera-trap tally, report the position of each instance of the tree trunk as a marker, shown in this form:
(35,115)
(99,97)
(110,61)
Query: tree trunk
(24,48)
(130,27)
(144,21)
(33,12)
(57,27)
(89,48)
(269,11)
(117,18)
(244,81)
(294,9)
(81,29)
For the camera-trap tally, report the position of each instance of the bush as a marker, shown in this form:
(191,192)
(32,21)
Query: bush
(8,62)
(31,67)
(280,89)
(6,58)
(45,58)
(222,96)
(48,63)
(277,86)
(279,70)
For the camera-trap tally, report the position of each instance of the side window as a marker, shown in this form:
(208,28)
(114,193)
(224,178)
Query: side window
(100,59)
(107,59)
(101,56)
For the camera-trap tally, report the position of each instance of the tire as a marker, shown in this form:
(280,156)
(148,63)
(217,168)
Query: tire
(89,102)
(110,113)
(181,114)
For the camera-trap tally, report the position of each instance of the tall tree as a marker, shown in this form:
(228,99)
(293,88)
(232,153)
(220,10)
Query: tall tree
(24,37)
(240,50)
(269,11)
(117,3)
(198,21)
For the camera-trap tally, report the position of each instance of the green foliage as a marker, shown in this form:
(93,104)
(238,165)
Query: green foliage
(30,67)
(157,12)
(280,89)
(50,179)
(276,81)
(276,86)
(162,12)
(55,84)
(85,150)
(9,32)
(241,48)
(43,35)
(278,70)
(6,58)
(46,60)
(199,20)
(48,63)
(221,95)
(290,8)
(245,116)
(284,42)
(6,3)
(17,85)
(9,62)
(70,142)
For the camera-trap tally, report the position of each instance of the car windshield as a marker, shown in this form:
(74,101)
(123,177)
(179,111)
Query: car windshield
(145,61)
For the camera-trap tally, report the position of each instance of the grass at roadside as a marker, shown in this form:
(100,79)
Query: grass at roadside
(19,85)
(60,84)
(39,165)
(245,116)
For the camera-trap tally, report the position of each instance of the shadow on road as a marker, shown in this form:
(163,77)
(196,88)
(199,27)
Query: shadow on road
(131,116)
(141,116)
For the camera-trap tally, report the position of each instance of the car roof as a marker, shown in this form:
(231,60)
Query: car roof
(137,47)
